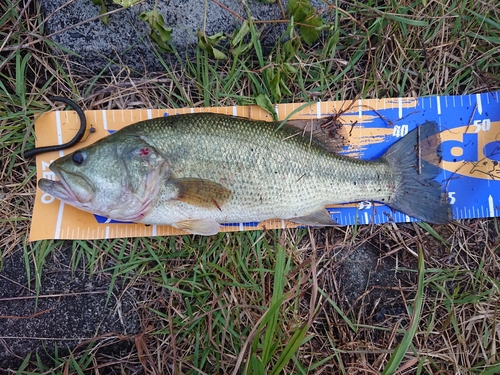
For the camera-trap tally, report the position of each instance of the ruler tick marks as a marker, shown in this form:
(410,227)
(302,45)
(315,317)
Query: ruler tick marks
(57,234)
(479,104)
(105,119)
(59,132)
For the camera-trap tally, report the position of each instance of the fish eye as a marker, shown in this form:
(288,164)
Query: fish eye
(79,157)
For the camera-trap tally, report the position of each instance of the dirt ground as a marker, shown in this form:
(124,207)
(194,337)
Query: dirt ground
(70,309)
(73,308)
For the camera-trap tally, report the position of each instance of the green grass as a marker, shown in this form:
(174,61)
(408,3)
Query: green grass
(274,302)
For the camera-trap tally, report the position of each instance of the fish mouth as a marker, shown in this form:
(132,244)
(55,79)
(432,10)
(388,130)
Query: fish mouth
(81,193)
(57,189)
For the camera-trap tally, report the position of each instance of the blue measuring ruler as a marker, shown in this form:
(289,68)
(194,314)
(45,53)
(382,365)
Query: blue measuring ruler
(470,133)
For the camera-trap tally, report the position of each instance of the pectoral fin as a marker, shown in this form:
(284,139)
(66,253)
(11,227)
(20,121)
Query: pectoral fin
(317,218)
(205,227)
(201,193)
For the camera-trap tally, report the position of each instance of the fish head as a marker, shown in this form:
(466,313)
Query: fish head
(116,178)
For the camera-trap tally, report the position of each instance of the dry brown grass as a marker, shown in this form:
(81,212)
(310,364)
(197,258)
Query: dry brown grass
(201,302)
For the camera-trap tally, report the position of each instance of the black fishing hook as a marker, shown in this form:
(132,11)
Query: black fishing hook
(77,138)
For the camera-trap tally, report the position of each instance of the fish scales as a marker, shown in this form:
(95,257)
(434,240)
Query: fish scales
(196,171)
(271,173)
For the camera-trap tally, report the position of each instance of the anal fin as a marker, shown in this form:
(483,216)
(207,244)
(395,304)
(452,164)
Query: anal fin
(204,227)
(317,218)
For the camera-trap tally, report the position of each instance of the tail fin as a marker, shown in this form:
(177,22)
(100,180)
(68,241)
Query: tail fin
(415,158)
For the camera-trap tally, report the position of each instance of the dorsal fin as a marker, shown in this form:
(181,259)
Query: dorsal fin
(327,132)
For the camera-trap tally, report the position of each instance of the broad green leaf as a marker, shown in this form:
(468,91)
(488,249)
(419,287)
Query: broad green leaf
(216,38)
(289,68)
(160,34)
(300,9)
(208,43)
(263,101)
(290,48)
(310,33)
(241,49)
(155,37)
(219,55)
(242,32)
(284,88)
(126,3)
(275,86)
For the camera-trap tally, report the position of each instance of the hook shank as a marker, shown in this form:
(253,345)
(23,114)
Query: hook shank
(76,138)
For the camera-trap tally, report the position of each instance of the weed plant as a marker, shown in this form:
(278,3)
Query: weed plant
(274,301)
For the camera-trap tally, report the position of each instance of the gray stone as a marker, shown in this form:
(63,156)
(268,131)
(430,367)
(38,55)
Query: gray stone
(124,41)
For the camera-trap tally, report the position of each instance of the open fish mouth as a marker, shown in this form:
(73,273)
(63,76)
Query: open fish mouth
(57,189)
(61,189)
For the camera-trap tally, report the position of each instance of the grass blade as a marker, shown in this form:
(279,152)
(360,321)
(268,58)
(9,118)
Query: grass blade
(401,349)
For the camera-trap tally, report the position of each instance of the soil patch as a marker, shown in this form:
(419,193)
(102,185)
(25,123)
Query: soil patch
(71,310)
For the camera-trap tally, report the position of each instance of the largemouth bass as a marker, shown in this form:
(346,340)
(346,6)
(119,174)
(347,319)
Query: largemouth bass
(195,171)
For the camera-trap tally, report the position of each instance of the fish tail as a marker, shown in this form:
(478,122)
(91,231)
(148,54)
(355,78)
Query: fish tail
(415,159)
